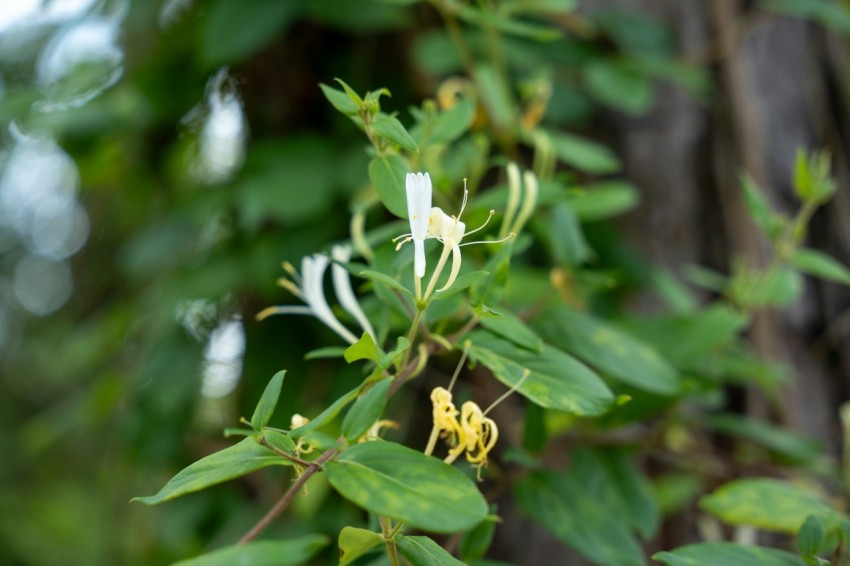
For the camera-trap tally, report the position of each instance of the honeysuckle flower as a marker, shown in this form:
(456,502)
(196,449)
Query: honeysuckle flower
(344,292)
(528,197)
(448,230)
(419,191)
(309,287)
(297,421)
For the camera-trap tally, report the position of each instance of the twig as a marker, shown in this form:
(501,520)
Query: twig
(262,440)
(287,498)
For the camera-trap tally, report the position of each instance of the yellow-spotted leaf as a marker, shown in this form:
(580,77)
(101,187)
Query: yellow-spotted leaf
(556,380)
(768,503)
(608,349)
(392,480)
(715,553)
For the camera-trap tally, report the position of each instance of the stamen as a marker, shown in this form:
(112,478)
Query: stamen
(397,238)
(292,272)
(401,243)
(492,212)
(510,391)
(466,346)
(465,198)
(291,287)
(505,239)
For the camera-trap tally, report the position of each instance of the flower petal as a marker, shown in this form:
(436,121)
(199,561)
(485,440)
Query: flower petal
(456,259)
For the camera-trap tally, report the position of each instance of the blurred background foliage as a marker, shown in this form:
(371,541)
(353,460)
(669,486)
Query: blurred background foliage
(160,159)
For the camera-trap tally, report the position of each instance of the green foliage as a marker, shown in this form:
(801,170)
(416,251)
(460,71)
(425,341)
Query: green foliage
(189,225)
(711,553)
(263,553)
(366,410)
(265,407)
(555,379)
(354,543)
(230,463)
(395,481)
(767,503)
(611,351)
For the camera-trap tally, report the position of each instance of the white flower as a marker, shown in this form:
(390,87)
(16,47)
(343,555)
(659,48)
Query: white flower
(310,289)
(344,292)
(418,189)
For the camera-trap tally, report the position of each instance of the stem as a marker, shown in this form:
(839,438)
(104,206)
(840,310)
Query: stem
(456,35)
(387,531)
(287,498)
(411,335)
(432,441)
(440,265)
(283,454)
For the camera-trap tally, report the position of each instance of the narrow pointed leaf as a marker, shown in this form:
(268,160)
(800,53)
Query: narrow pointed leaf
(422,551)
(366,410)
(389,128)
(233,462)
(266,406)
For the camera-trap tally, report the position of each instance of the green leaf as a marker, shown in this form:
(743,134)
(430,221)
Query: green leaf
(686,339)
(354,543)
(496,96)
(350,92)
(450,124)
(461,284)
(366,410)
(714,553)
(386,280)
(826,12)
(508,325)
(392,480)
(784,442)
(389,128)
(569,247)
(608,349)
(279,440)
(581,515)
(603,200)
(387,359)
(387,175)
(327,415)
(232,462)
(266,406)
(556,380)
(340,100)
(757,206)
(508,25)
(619,85)
(820,265)
(811,536)
(326,352)
(474,543)
(583,154)
(766,503)
(262,553)
(422,551)
(363,349)
(231,33)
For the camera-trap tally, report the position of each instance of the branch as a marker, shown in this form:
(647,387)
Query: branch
(287,498)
